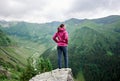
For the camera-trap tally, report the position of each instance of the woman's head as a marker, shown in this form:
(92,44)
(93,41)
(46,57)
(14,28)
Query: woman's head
(62,25)
(61,28)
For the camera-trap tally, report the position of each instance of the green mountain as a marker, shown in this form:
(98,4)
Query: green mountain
(93,45)
(14,55)
(11,51)
(94,49)
(107,20)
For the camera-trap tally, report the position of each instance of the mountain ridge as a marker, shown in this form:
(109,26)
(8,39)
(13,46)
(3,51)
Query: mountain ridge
(93,45)
(76,19)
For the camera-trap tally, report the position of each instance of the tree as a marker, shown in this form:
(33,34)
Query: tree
(42,65)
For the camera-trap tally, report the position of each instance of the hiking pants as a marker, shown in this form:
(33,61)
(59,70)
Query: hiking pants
(62,50)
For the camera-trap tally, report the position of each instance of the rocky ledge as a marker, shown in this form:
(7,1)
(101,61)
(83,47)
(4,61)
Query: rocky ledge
(64,74)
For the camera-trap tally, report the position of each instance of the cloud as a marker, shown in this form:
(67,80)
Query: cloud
(19,7)
(32,10)
(94,8)
(56,10)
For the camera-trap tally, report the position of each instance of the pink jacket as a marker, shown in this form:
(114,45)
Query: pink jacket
(61,37)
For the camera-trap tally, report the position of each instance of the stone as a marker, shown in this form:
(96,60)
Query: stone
(64,74)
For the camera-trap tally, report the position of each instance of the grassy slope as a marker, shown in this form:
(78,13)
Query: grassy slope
(18,54)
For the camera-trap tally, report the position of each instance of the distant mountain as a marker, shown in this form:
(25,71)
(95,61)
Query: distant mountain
(7,23)
(93,44)
(73,21)
(108,19)
(40,33)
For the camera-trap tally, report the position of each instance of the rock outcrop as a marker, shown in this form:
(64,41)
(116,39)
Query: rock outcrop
(64,74)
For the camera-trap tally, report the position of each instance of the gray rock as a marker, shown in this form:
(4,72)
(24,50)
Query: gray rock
(64,74)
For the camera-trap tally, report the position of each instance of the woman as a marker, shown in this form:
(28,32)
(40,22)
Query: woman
(61,38)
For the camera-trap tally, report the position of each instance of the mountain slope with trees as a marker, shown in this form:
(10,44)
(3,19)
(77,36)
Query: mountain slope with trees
(94,50)
(93,45)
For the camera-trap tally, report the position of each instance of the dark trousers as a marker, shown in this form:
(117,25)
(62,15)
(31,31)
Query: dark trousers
(62,50)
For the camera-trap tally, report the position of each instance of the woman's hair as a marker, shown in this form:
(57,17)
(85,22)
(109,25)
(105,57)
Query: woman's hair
(62,25)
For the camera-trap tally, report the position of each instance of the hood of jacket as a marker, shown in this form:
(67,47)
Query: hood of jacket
(61,29)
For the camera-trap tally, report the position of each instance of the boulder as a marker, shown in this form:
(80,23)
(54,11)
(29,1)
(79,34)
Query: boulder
(64,74)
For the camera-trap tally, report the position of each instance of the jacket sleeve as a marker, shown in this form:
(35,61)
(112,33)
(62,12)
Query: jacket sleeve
(66,37)
(55,37)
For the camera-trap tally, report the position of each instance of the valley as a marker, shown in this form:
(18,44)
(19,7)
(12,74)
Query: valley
(93,46)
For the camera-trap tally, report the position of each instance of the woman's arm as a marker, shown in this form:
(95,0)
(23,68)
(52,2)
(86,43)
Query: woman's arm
(55,38)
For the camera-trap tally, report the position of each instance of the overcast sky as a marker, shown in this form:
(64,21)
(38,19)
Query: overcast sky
(41,11)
